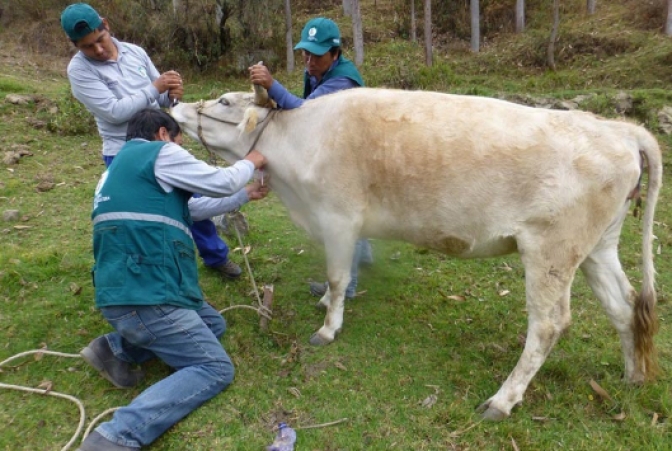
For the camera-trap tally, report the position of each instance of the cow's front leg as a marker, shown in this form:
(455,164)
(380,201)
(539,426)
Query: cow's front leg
(339,249)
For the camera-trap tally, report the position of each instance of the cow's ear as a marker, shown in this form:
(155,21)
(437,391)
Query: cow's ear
(250,120)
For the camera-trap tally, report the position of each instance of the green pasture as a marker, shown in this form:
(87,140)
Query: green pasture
(426,341)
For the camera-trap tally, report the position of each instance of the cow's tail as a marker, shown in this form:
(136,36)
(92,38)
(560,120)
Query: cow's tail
(645,324)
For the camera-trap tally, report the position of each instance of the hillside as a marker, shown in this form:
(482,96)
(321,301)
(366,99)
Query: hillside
(619,48)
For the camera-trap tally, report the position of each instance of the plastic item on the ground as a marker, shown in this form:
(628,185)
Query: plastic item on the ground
(285,439)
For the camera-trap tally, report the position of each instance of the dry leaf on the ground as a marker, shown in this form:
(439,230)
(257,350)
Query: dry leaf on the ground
(601,392)
(429,401)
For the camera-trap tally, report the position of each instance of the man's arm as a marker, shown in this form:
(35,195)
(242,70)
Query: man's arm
(175,167)
(206,207)
(95,94)
(286,100)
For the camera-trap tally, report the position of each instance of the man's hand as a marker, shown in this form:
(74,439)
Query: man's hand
(256,190)
(256,158)
(260,75)
(175,94)
(169,81)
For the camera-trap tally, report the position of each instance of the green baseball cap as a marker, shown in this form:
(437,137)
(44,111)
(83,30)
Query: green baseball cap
(318,36)
(79,19)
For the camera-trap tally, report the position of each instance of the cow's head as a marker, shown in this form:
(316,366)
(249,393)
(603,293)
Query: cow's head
(225,125)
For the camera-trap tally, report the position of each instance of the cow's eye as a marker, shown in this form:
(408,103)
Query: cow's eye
(224,102)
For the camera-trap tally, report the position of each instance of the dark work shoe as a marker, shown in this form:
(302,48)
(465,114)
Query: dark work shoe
(99,355)
(228,270)
(96,442)
(319,289)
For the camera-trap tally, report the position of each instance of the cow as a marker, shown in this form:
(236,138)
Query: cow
(468,176)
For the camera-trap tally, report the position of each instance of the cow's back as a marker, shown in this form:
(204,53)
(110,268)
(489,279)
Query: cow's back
(459,173)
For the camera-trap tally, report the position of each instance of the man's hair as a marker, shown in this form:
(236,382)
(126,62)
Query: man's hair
(145,124)
(335,50)
(81,27)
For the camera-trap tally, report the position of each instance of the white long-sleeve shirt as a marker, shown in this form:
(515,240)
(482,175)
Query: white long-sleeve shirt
(175,167)
(113,91)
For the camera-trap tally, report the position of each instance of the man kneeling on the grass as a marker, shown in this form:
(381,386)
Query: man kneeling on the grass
(146,280)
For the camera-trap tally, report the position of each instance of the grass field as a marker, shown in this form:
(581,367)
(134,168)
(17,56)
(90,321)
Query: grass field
(424,325)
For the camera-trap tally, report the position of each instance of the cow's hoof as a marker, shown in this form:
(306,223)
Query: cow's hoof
(318,340)
(491,413)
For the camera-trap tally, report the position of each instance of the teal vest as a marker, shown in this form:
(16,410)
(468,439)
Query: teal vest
(143,249)
(344,68)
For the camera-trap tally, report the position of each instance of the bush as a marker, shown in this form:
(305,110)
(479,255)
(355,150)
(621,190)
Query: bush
(72,118)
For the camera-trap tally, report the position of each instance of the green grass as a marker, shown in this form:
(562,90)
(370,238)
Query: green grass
(404,338)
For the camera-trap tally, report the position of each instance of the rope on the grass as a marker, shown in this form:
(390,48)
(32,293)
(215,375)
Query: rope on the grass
(262,310)
(80,405)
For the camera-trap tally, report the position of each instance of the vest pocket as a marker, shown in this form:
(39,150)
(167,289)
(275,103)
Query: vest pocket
(185,260)
(109,252)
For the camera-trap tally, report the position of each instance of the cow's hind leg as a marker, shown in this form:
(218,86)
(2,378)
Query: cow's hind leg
(339,248)
(548,278)
(605,276)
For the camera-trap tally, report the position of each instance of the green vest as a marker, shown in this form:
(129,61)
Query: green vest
(344,68)
(143,249)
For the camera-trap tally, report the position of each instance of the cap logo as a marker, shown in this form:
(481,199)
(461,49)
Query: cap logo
(312,33)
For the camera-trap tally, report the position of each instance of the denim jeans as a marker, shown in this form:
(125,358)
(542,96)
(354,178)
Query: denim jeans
(186,340)
(364,255)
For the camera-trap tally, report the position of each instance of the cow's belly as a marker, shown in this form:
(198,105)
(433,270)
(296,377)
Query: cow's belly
(460,246)
(492,248)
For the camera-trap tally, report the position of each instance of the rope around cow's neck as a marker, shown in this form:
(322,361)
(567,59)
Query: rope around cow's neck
(199,129)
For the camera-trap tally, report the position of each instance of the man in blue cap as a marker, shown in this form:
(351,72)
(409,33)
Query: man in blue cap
(326,72)
(115,80)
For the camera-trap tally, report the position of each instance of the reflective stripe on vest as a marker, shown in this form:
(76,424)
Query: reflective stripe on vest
(141,217)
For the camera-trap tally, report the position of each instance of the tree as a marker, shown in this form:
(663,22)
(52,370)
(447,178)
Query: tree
(357,32)
(414,34)
(520,16)
(288,37)
(428,32)
(348,6)
(554,34)
(668,24)
(475,26)
(178,6)
(590,4)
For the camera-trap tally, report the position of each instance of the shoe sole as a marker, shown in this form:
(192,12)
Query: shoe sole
(92,359)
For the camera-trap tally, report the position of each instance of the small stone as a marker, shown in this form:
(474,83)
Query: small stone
(10,215)
(45,186)
(11,158)
(18,99)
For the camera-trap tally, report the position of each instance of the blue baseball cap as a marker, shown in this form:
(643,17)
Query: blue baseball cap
(80,19)
(318,36)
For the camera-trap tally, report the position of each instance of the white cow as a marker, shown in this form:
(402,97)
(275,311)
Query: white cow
(468,176)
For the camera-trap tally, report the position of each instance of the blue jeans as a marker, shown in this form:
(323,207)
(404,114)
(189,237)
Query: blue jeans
(364,255)
(186,340)
(212,249)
